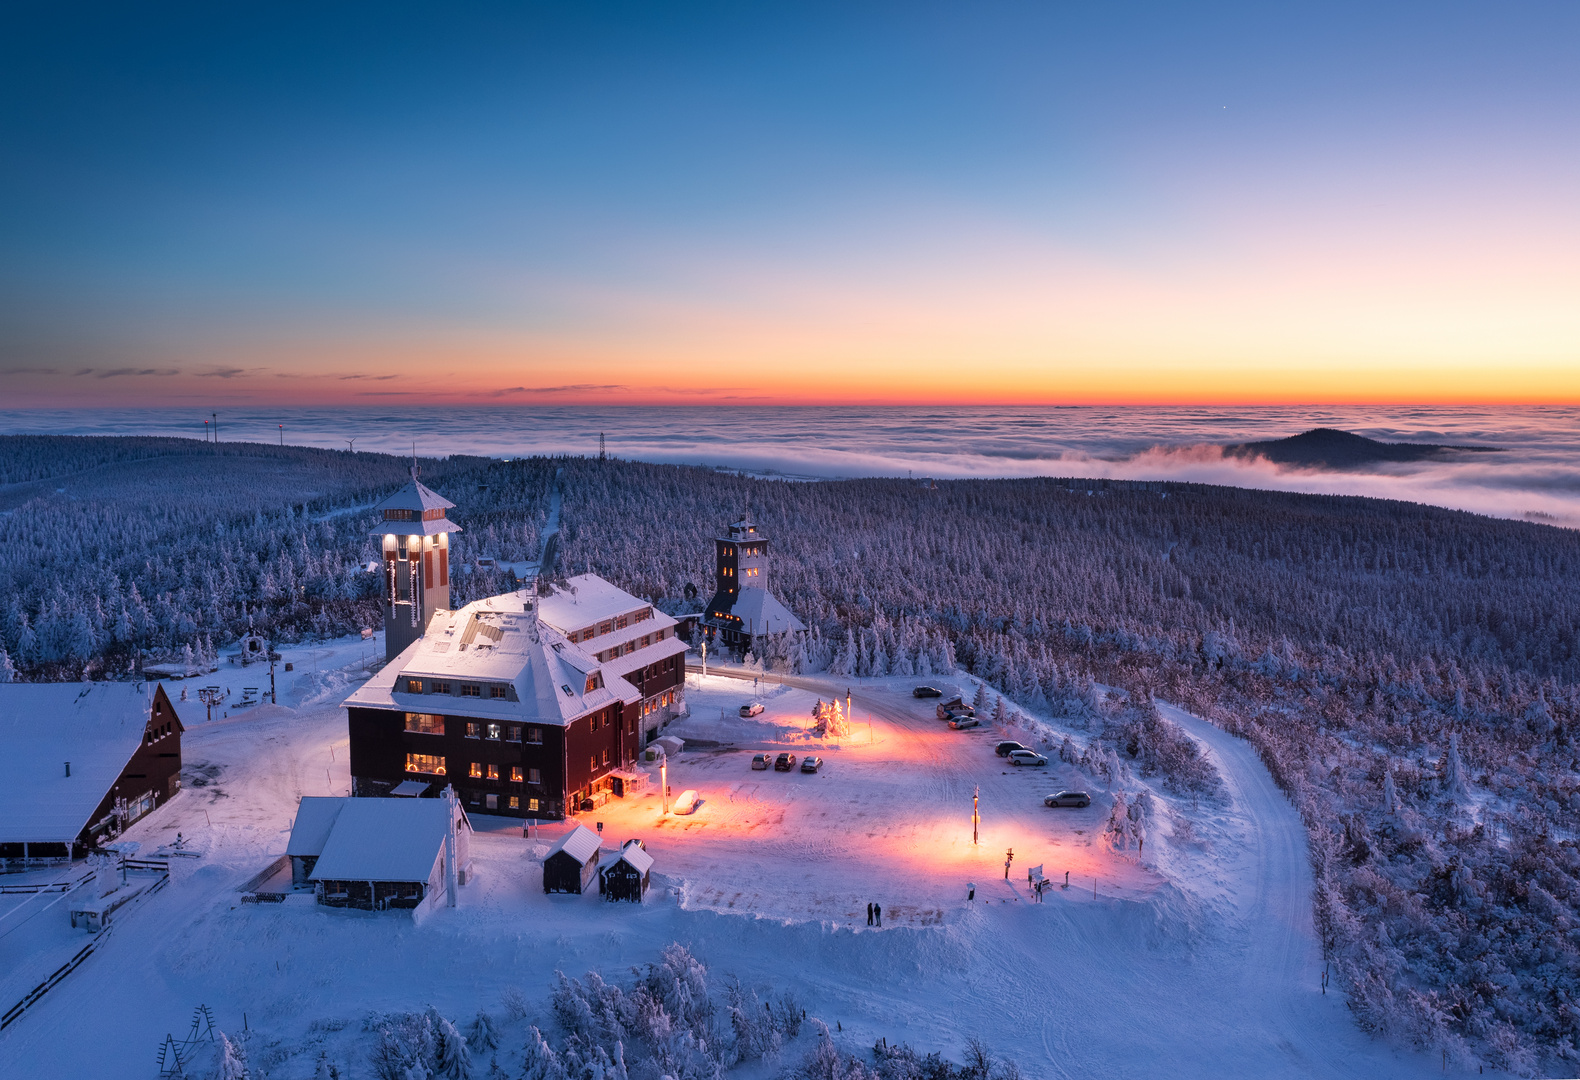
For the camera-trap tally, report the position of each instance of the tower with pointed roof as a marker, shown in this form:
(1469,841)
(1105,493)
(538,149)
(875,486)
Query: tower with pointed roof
(742,607)
(414,537)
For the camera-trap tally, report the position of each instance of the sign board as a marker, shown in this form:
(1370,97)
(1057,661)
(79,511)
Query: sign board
(1035,873)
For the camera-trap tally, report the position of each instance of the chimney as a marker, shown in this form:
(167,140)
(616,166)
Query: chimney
(68,768)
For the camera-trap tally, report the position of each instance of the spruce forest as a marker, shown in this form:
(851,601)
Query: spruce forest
(1410,675)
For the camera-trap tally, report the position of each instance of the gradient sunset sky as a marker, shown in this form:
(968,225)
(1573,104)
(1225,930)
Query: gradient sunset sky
(750,202)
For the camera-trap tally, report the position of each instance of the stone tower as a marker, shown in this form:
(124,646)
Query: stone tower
(415,543)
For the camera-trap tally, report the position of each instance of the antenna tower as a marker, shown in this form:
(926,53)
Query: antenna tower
(602,455)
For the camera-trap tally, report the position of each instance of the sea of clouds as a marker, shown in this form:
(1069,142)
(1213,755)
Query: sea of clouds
(1537,476)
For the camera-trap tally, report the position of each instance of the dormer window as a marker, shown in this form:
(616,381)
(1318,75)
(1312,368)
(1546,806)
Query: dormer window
(594,682)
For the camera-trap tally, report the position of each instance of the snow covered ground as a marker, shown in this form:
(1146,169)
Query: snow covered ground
(1197,959)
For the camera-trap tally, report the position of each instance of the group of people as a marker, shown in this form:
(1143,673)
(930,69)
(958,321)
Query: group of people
(874,914)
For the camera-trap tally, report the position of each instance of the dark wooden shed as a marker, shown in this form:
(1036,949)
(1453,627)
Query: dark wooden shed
(625,875)
(572,863)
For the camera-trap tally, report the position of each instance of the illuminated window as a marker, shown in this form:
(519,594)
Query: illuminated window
(515,774)
(425,763)
(534,776)
(513,733)
(594,681)
(493,731)
(496,691)
(474,730)
(475,769)
(532,805)
(515,802)
(493,772)
(414,686)
(471,690)
(426,723)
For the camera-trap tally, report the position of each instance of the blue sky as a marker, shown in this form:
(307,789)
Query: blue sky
(669,193)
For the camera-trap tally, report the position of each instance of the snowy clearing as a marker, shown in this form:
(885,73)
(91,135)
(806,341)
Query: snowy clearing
(1199,958)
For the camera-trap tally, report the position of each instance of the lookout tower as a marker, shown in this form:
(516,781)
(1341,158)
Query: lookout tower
(415,537)
(742,607)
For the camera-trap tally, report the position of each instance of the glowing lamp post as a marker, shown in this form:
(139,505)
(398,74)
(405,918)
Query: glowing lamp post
(663,780)
(976,816)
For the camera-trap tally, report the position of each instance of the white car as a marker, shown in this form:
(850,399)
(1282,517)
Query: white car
(687,803)
(1026,757)
(754,708)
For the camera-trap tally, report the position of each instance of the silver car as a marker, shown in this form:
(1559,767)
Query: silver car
(1026,757)
(1078,799)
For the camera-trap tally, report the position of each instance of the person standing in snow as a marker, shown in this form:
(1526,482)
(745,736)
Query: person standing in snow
(869,912)
(877,911)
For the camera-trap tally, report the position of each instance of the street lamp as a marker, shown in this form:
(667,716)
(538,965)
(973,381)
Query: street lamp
(663,780)
(976,816)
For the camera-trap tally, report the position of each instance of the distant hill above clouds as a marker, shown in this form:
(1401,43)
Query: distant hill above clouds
(1329,448)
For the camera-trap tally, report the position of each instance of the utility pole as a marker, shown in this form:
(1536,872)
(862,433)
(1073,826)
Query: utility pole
(282,434)
(216,428)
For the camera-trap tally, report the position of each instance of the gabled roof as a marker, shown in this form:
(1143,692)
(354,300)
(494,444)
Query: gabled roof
(495,641)
(761,612)
(637,856)
(384,840)
(581,844)
(95,726)
(315,816)
(587,600)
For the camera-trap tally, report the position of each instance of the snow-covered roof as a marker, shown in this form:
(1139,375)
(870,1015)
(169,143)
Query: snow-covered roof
(95,726)
(588,599)
(315,816)
(384,840)
(581,844)
(496,641)
(418,499)
(761,612)
(409,789)
(647,654)
(638,857)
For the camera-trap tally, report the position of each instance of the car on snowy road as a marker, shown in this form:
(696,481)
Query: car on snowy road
(811,764)
(761,761)
(961,723)
(927,691)
(1078,799)
(687,803)
(1026,757)
(752,708)
(784,763)
(1004,749)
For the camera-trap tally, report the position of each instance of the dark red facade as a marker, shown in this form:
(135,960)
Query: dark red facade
(483,757)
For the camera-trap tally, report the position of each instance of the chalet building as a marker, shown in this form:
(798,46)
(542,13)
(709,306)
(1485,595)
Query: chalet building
(414,537)
(83,761)
(742,608)
(381,854)
(530,706)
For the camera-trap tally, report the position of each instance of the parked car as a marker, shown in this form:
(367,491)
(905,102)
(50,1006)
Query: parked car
(687,803)
(947,709)
(811,764)
(1026,757)
(961,723)
(753,708)
(761,761)
(1078,799)
(784,763)
(1003,749)
(927,691)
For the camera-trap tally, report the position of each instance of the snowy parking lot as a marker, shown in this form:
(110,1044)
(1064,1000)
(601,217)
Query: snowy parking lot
(1196,952)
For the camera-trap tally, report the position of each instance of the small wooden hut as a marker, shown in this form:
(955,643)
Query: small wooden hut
(624,875)
(572,863)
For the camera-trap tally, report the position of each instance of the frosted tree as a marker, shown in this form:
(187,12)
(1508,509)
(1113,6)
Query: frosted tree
(451,1054)
(1453,769)
(540,1061)
(979,702)
(1390,794)
(7,671)
(483,1034)
(232,1061)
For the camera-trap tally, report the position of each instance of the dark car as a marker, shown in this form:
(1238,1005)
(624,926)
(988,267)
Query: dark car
(927,691)
(1004,749)
(784,763)
(811,764)
(1078,799)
